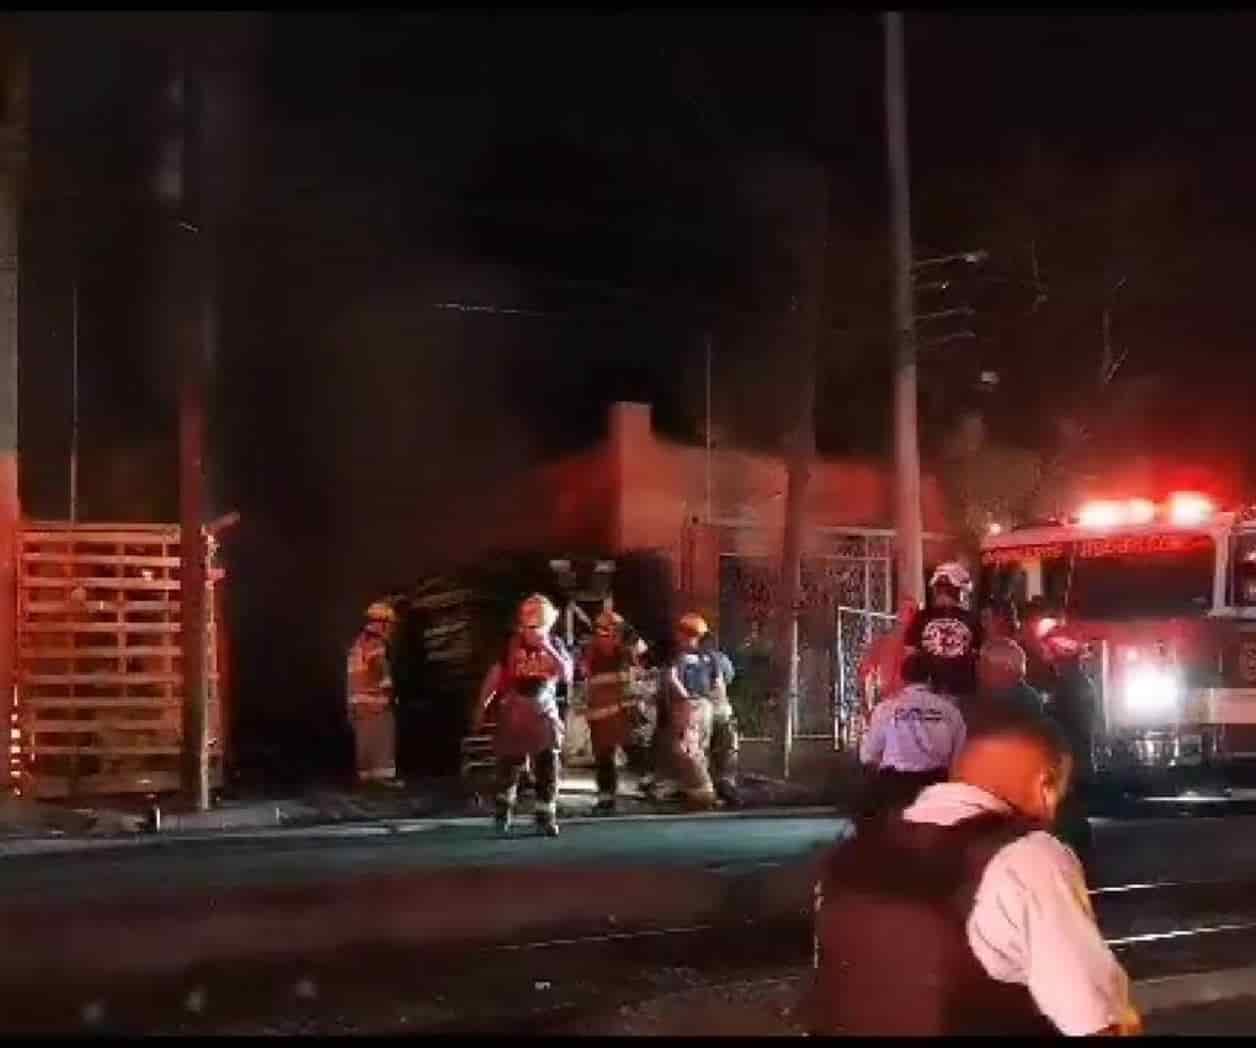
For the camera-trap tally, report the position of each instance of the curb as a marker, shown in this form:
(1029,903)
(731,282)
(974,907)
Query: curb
(371,828)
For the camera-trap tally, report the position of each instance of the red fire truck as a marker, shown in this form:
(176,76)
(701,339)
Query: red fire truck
(1158,600)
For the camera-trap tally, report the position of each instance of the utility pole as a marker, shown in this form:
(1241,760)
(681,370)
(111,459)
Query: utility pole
(13,157)
(707,343)
(74,395)
(806,314)
(908,519)
(185,241)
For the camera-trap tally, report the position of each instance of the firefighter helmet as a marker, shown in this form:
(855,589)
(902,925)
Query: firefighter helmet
(953,574)
(381,611)
(693,623)
(609,622)
(538,612)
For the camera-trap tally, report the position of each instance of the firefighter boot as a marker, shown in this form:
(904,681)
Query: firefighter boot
(503,818)
(545,767)
(607,782)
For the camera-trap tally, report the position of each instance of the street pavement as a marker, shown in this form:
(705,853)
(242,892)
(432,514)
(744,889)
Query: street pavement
(375,929)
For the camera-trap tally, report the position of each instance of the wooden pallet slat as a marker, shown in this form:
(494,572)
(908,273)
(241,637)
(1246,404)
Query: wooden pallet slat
(102,582)
(101,627)
(129,560)
(110,751)
(130,651)
(120,679)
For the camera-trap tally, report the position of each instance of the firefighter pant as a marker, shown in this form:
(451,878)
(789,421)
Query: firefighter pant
(374,743)
(691,723)
(725,745)
(545,771)
(607,775)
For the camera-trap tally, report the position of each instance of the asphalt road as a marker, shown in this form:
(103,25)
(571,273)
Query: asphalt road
(518,977)
(167,868)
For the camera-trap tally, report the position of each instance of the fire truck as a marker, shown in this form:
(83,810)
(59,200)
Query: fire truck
(1158,602)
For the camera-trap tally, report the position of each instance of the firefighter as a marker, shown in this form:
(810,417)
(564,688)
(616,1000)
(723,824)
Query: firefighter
(947,632)
(525,682)
(610,665)
(695,683)
(371,697)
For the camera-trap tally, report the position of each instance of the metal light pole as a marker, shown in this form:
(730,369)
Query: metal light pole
(908,517)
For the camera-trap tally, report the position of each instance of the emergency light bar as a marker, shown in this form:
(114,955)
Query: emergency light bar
(1184,509)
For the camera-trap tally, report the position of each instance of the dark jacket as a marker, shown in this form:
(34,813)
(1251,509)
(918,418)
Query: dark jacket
(892,936)
(1019,700)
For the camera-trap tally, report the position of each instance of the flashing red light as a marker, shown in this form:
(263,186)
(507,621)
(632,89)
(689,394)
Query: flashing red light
(1046,625)
(1140,511)
(1187,508)
(1101,515)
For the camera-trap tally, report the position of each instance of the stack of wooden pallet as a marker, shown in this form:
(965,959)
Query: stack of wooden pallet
(100,675)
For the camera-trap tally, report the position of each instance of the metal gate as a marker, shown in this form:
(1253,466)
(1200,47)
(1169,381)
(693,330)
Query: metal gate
(857,628)
(853,575)
(99,669)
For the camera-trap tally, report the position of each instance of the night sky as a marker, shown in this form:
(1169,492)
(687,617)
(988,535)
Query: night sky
(604,191)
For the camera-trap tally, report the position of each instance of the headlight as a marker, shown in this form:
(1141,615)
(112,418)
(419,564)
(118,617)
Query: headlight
(1151,690)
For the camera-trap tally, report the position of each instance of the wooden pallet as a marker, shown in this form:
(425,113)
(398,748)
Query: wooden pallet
(100,674)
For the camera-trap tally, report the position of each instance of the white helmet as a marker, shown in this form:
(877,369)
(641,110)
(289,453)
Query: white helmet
(538,612)
(954,574)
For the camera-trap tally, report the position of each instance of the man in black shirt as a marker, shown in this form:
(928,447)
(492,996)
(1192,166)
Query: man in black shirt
(947,633)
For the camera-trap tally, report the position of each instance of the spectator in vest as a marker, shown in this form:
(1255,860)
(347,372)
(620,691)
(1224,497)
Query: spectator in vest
(911,740)
(962,916)
(947,632)
(1001,684)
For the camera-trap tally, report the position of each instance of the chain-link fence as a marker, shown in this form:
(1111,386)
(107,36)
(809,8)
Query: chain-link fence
(857,628)
(854,573)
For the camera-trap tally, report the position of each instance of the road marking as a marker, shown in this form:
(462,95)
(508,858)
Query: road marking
(1181,933)
(609,937)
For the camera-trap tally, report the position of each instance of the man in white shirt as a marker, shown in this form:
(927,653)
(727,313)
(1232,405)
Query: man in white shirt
(963,915)
(912,738)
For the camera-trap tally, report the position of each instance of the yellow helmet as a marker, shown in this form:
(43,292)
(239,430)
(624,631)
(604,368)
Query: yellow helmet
(609,622)
(381,611)
(538,612)
(693,623)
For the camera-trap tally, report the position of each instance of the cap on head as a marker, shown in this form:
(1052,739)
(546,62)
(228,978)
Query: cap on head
(693,625)
(537,612)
